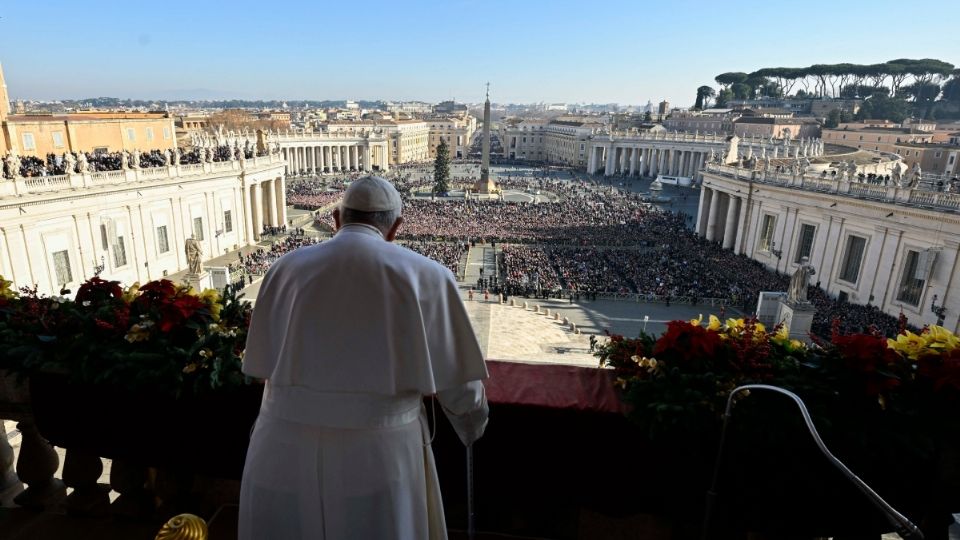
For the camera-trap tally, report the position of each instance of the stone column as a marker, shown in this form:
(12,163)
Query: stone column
(272,203)
(634,160)
(280,197)
(257,210)
(247,218)
(712,216)
(702,208)
(730,228)
(366,158)
(611,154)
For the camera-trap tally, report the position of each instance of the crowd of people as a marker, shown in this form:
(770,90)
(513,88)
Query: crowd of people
(91,162)
(256,263)
(449,254)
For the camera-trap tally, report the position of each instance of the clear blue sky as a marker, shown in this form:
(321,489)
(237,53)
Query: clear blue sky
(556,51)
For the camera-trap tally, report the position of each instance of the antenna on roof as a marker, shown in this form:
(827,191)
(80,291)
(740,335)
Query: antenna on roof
(488,90)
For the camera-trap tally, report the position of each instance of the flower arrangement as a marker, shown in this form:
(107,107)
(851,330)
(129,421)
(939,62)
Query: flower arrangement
(865,391)
(160,336)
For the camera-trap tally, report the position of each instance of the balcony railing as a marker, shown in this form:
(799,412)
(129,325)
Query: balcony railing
(48,184)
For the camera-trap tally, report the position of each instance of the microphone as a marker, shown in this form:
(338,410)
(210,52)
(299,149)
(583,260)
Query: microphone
(903,526)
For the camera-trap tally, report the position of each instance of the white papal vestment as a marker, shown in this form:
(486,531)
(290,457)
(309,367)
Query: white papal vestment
(350,334)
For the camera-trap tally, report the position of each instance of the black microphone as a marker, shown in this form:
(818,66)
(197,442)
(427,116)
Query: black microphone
(902,526)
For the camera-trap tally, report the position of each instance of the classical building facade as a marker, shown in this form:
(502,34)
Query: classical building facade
(363,149)
(895,248)
(554,141)
(456,130)
(408,140)
(131,225)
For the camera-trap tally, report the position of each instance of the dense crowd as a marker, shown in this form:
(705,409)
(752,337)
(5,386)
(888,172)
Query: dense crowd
(259,261)
(446,253)
(311,195)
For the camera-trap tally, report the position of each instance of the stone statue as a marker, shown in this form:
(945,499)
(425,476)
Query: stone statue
(82,165)
(797,292)
(896,172)
(177,154)
(124,160)
(776,152)
(766,165)
(69,163)
(136,159)
(915,175)
(167,158)
(208,154)
(851,170)
(713,155)
(194,253)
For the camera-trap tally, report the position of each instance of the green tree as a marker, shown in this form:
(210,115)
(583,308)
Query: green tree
(726,79)
(704,93)
(441,169)
(723,96)
(883,107)
(833,119)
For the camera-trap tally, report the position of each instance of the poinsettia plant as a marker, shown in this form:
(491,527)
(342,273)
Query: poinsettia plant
(160,336)
(865,391)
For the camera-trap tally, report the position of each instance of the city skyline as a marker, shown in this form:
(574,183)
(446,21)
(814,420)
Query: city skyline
(534,52)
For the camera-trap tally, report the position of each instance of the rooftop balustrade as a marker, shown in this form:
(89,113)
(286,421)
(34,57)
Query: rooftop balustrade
(23,186)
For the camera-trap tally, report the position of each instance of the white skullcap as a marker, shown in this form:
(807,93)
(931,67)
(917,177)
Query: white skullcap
(371,194)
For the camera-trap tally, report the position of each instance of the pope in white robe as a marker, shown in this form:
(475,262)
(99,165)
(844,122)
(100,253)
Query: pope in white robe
(349,335)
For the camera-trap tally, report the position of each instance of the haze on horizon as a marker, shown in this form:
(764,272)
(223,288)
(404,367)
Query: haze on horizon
(574,52)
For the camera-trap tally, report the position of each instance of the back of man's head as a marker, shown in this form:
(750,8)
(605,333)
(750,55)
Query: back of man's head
(371,200)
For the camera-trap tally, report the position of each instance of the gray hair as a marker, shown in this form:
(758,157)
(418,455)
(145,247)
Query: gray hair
(382,220)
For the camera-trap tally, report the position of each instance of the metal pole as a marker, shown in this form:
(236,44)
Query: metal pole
(471,524)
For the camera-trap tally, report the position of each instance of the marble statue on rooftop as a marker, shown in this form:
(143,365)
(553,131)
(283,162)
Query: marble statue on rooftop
(177,154)
(136,159)
(167,159)
(124,160)
(69,163)
(915,175)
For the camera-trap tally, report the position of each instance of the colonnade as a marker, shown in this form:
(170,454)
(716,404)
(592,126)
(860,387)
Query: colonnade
(265,203)
(720,217)
(319,158)
(647,161)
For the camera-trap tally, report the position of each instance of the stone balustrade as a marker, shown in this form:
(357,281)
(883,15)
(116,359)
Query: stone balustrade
(21,186)
(920,196)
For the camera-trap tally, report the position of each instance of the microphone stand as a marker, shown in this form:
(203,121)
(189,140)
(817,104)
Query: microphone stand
(903,526)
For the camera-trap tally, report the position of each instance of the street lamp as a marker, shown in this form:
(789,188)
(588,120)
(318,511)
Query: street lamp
(646,319)
(97,269)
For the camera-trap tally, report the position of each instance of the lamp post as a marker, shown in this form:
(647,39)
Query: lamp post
(646,319)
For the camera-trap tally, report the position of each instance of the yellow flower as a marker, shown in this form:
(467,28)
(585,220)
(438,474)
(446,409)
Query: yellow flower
(715,323)
(735,325)
(940,338)
(797,344)
(131,292)
(759,328)
(137,333)
(210,296)
(698,320)
(908,344)
(783,333)
(6,289)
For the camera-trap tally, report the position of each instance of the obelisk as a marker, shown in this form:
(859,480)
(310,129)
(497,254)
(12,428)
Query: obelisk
(485,185)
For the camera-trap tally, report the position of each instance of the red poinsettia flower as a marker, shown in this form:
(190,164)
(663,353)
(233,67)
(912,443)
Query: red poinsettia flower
(943,370)
(96,290)
(868,356)
(686,344)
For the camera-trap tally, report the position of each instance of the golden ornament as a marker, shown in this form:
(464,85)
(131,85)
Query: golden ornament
(183,527)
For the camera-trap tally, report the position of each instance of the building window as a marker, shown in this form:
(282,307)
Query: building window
(228,221)
(166,133)
(912,280)
(28,143)
(58,139)
(119,253)
(850,269)
(198,228)
(61,267)
(766,232)
(149,133)
(131,134)
(805,247)
(937,155)
(163,244)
